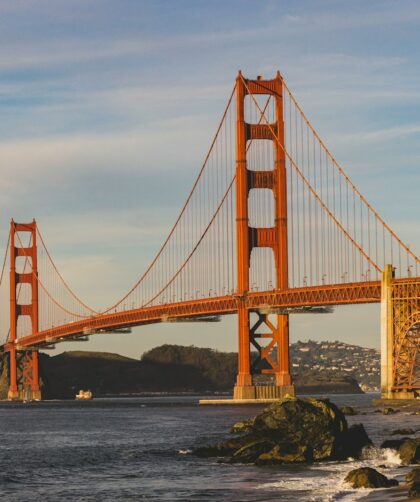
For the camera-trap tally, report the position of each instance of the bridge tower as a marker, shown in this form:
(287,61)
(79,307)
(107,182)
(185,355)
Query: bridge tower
(400,336)
(23,365)
(274,178)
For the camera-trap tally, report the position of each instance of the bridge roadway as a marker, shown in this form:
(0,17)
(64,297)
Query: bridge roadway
(311,296)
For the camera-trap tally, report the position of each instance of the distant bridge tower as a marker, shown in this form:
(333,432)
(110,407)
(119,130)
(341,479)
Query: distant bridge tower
(23,365)
(273,178)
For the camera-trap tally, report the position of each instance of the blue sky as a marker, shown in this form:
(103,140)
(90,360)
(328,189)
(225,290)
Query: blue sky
(108,107)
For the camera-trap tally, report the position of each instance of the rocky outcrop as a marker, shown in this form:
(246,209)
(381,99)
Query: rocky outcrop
(413,480)
(414,490)
(408,449)
(243,426)
(403,432)
(348,410)
(413,475)
(366,477)
(389,411)
(286,453)
(292,430)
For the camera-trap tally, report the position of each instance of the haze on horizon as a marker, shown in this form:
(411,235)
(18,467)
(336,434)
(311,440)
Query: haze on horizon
(108,109)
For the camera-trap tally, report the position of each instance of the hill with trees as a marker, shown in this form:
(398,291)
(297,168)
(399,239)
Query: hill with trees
(181,369)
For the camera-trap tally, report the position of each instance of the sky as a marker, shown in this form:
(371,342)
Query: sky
(108,107)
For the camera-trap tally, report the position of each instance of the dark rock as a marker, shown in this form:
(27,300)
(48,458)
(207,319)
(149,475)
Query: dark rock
(243,426)
(354,441)
(409,451)
(311,422)
(366,477)
(348,410)
(414,490)
(394,444)
(251,452)
(293,430)
(389,411)
(407,448)
(413,475)
(402,432)
(220,450)
(286,453)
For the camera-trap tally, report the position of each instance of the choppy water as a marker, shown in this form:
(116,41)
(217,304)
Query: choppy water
(138,449)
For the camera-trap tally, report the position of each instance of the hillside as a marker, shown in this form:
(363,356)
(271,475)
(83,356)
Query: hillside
(337,358)
(111,374)
(317,367)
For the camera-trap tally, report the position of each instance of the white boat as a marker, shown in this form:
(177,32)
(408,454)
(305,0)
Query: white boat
(84,395)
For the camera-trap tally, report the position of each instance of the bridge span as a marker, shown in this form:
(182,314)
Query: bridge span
(272,226)
(265,302)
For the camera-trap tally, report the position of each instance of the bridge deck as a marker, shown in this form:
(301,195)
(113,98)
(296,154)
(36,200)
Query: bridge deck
(336,294)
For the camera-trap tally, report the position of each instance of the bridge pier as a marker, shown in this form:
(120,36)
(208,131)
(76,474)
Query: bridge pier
(278,367)
(386,333)
(400,328)
(22,374)
(13,393)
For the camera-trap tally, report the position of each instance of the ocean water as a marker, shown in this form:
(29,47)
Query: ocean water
(139,449)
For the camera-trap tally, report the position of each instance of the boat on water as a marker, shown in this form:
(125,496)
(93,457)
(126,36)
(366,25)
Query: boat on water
(84,395)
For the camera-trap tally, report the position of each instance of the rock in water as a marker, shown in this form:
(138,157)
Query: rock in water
(251,451)
(293,430)
(348,410)
(286,453)
(366,477)
(224,449)
(414,490)
(407,448)
(409,451)
(413,475)
(403,432)
(389,411)
(306,422)
(243,426)
(353,441)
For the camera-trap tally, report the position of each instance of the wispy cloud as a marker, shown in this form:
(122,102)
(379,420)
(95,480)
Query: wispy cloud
(59,158)
(19,56)
(378,135)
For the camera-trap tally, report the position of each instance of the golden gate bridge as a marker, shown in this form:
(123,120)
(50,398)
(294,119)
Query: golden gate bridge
(272,226)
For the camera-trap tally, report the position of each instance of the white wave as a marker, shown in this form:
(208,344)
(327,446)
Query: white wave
(327,488)
(378,456)
(324,482)
(185,451)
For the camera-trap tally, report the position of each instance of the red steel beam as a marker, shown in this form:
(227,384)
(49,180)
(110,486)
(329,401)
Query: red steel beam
(337,294)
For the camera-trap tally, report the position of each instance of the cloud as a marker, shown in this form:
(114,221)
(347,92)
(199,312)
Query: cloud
(353,16)
(16,56)
(66,156)
(378,135)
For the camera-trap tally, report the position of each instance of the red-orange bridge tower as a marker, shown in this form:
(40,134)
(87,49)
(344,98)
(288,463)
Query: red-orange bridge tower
(272,226)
